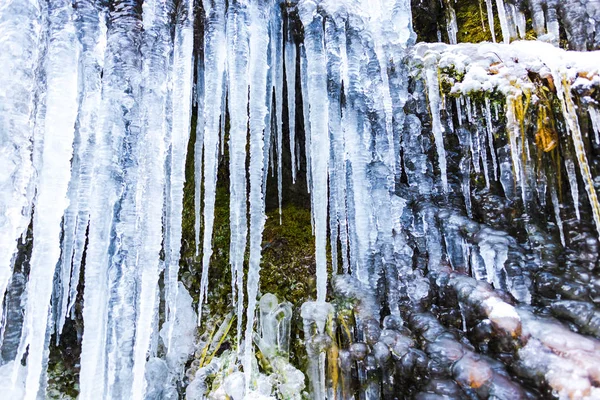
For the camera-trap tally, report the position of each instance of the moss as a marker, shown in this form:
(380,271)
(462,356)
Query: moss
(288,264)
(473,23)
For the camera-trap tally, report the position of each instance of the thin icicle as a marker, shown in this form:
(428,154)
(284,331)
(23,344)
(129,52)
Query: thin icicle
(595,118)
(214,64)
(276,69)
(490,17)
(290,76)
(182,82)
(490,132)
(556,206)
(435,102)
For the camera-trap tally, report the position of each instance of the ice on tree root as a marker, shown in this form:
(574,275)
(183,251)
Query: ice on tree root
(545,351)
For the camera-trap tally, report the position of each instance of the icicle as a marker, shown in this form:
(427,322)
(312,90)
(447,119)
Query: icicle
(514,131)
(276,69)
(595,118)
(76,219)
(570,115)
(258,71)
(62,62)
(484,159)
(237,58)
(214,65)
(490,132)
(199,149)
(290,76)
(307,135)
(451,24)
(109,302)
(317,84)
(520,20)
(556,206)
(490,16)
(435,102)
(182,108)
(156,48)
(459,113)
(506,37)
(572,176)
(20,23)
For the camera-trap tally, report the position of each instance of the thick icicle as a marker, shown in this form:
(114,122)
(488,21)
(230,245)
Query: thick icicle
(61,112)
(237,58)
(258,70)
(112,213)
(156,49)
(214,68)
(317,84)
(20,23)
(92,26)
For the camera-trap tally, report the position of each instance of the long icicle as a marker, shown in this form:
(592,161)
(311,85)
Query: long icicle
(237,58)
(317,85)
(258,70)
(214,64)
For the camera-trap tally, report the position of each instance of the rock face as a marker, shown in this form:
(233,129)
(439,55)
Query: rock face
(453,191)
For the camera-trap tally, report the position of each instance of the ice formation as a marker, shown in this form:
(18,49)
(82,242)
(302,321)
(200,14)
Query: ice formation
(453,191)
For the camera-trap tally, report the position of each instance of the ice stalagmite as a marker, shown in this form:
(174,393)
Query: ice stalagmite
(237,69)
(182,83)
(317,84)
(20,22)
(51,201)
(214,69)
(258,70)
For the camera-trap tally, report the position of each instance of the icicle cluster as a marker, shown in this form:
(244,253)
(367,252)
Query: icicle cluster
(431,170)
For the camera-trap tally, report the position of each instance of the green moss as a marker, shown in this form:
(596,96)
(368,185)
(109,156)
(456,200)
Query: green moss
(288,265)
(473,23)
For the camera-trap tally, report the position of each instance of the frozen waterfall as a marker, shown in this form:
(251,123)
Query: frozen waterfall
(453,198)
